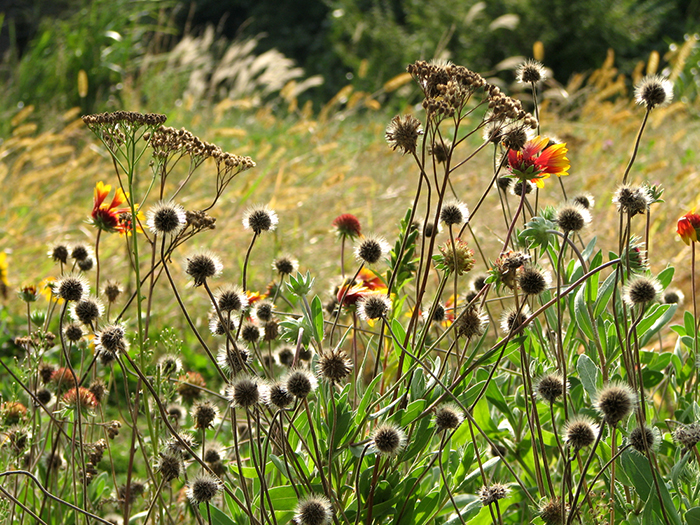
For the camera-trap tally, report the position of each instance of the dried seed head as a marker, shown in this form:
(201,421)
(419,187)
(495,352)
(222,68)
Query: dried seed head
(260,219)
(87,311)
(440,149)
(46,371)
(551,512)
(204,415)
(456,257)
(244,392)
(175,445)
(271,331)
(263,311)
(454,214)
(334,367)
(98,389)
(615,402)
(402,133)
(59,253)
(176,413)
(550,387)
(642,439)
(72,288)
(515,137)
(250,333)
(448,417)
(517,187)
(580,432)
(219,326)
(687,435)
(531,72)
(111,339)
(373,306)
(632,200)
(203,266)
(429,229)
(438,311)
(212,454)
(512,319)
(492,493)
(286,356)
(654,91)
(300,383)
(641,290)
(585,199)
(673,296)
(372,249)
(203,488)
(73,332)
(190,386)
(285,265)
(80,252)
(573,218)
(388,440)
(313,510)
(503,183)
(166,218)
(170,466)
(86,264)
(112,291)
(170,364)
(44,396)
(472,323)
(532,281)
(279,396)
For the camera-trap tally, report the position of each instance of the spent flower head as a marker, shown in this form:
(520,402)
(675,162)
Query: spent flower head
(580,432)
(653,91)
(371,250)
(347,225)
(203,266)
(203,488)
(388,440)
(402,133)
(614,402)
(166,218)
(641,290)
(260,219)
(531,72)
(72,288)
(313,510)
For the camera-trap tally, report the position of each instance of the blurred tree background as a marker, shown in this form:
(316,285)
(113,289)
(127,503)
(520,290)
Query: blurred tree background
(65,53)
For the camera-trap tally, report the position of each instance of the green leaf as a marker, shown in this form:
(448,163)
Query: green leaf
(317,313)
(604,294)
(692,516)
(581,312)
(217,515)
(655,321)
(361,413)
(666,276)
(589,373)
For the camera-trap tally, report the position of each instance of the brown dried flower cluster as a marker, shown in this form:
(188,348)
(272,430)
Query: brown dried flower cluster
(127,117)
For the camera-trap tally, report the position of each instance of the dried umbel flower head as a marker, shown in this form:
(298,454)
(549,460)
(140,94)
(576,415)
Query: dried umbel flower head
(573,218)
(87,311)
(493,493)
(471,323)
(203,266)
(615,402)
(169,364)
(531,72)
(279,396)
(300,383)
(448,417)
(642,439)
(72,288)
(388,440)
(170,466)
(313,510)
(59,253)
(654,91)
(111,339)
(203,489)
(632,200)
(454,214)
(532,281)
(673,296)
(455,257)
(204,414)
(550,387)
(166,218)
(334,366)
(112,291)
(260,219)
(245,392)
(73,332)
(580,432)
(285,265)
(641,290)
(371,249)
(584,199)
(402,133)
(373,306)
(347,225)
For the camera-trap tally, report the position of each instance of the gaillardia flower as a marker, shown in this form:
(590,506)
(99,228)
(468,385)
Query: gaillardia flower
(689,227)
(538,159)
(105,216)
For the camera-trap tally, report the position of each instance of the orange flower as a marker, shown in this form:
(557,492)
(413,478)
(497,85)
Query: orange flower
(538,159)
(689,227)
(109,217)
(366,282)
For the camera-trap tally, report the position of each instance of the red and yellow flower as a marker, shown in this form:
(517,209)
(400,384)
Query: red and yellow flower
(110,217)
(366,282)
(538,159)
(689,227)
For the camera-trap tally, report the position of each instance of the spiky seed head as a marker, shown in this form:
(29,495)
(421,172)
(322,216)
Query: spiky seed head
(456,257)
(373,306)
(632,200)
(440,150)
(642,439)
(641,290)
(584,199)
(313,510)
(72,288)
(472,323)
(279,396)
(81,398)
(176,446)
(263,311)
(44,396)
(74,332)
(219,326)
(371,249)
(479,282)
(503,183)
(492,493)
(448,417)
(170,466)
(673,296)
(285,265)
(170,364)
(580,432)
(515,137)
(166,218)
(203,489)
(231,298)
(532,281)
(334,366)
(244,392)
(203,266)
(112,291)
(615,402)
(80,252)
(190,385)
(454,214)
(260,219)
(271,331)
(286,356)
(59,253)
(531,72)
(573,218)
(88,310)
(388,440)
(550,387)
(512,319)
(517,187)
(551,512)
(687,435)
(250,333)
(654,91)
(429,229)
(112,339)
(176,413)
(402,133)
(438,311)
(86,264)
(300,383)
(212,454)
(99,389)
(204,414)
